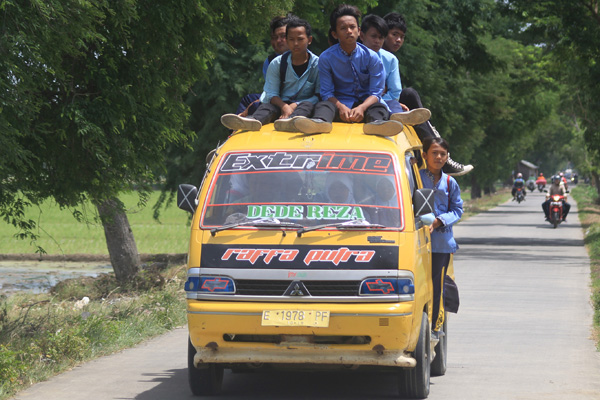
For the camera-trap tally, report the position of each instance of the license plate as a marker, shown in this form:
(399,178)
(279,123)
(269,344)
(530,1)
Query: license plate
(295,318)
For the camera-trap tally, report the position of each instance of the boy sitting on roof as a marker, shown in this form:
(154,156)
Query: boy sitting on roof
(291,84)
(373,32)
(352,82)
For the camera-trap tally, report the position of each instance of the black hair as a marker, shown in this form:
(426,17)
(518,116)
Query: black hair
(374,21)
(342,10)
(277,22)
(437,140)
(295,22)
(330,39)
(395,21)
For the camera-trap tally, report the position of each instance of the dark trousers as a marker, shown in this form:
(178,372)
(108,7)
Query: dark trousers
(546,208)
(268,112)
(411,99)
(246,101)
(439,266)
(328,112)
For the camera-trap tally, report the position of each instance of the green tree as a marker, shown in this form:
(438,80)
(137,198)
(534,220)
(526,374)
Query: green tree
(569,33)
(92,95)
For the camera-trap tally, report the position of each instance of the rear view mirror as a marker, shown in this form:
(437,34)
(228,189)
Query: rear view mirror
(186,197)
(423,202)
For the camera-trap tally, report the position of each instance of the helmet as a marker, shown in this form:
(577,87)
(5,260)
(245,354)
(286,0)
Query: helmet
(561,174)
(541,174)
(519,175)
(556,178)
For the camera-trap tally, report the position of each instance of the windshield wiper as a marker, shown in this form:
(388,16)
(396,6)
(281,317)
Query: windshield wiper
(265,222)
(352,224)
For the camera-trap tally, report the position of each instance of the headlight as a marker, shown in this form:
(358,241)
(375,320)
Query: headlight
(210,284)
(385,286)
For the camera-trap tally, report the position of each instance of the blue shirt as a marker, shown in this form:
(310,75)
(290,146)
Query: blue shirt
(392,75)
(295,88)
(447,208)
(351,78)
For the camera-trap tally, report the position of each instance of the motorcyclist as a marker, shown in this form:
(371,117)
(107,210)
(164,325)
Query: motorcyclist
(563,181)
(540,179)
(556,188)
(518,183)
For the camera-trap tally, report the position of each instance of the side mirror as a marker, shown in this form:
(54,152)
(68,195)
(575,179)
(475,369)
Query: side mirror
(186,197)
(423,202)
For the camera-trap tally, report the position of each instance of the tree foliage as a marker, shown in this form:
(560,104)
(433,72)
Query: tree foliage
(92,92)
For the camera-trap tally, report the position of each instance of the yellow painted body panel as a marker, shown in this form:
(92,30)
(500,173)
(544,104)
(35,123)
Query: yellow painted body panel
(393,327)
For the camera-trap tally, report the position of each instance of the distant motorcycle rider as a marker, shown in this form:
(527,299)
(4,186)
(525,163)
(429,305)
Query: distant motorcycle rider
(518,183)
(556,188)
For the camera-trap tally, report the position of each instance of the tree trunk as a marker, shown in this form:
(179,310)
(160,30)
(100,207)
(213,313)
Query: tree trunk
(475,188)
(122,249)
(596,179)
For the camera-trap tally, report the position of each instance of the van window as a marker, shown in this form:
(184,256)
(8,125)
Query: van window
(308,188)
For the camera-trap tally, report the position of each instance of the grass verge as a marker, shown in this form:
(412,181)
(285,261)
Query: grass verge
(45,334)
(475,206)
(589,216)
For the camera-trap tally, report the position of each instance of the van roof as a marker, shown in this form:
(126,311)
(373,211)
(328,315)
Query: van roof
(345,136)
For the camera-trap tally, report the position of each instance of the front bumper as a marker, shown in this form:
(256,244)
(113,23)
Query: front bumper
(379,334)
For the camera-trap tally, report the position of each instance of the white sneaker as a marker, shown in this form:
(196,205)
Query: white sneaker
(413,117)
(312,125)
(383,128)
(235,122)
(286,124)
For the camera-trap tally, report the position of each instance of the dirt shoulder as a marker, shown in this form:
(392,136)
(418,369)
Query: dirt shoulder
(168,258)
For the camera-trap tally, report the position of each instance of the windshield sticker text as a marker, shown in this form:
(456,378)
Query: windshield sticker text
(313,212)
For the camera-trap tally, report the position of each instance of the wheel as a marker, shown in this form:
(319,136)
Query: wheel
(203,381)
(413,383)
(438,365)
(555,219)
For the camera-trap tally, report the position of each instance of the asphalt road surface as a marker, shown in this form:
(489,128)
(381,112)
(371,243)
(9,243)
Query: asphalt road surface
(523,331)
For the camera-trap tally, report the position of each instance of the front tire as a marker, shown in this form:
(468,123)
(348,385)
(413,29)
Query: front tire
(203,381)
(413,383)
(438,365)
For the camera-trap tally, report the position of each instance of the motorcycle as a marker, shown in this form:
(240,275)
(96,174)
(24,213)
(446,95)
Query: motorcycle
(555,214)
(519,195)
(541,184)
(531,186)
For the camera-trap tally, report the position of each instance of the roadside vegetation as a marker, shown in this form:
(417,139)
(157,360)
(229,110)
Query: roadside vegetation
(588,205)
(44,334)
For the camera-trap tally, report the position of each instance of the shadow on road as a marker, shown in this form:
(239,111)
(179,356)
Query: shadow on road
(277,384)
(519,241)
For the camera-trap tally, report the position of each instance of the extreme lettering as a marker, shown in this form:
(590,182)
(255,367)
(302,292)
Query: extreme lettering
(358,162)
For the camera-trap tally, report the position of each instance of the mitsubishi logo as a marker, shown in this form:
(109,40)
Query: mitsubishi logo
(296,288)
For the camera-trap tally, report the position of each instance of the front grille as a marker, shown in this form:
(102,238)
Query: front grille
(250,287)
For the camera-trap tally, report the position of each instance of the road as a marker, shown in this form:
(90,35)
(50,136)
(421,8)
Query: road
(522,331)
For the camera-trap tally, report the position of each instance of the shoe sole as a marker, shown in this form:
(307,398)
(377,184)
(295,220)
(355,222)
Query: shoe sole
(466,170)
(388,128)
(235,122)
(286,125)
(309,126)
(412,117)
